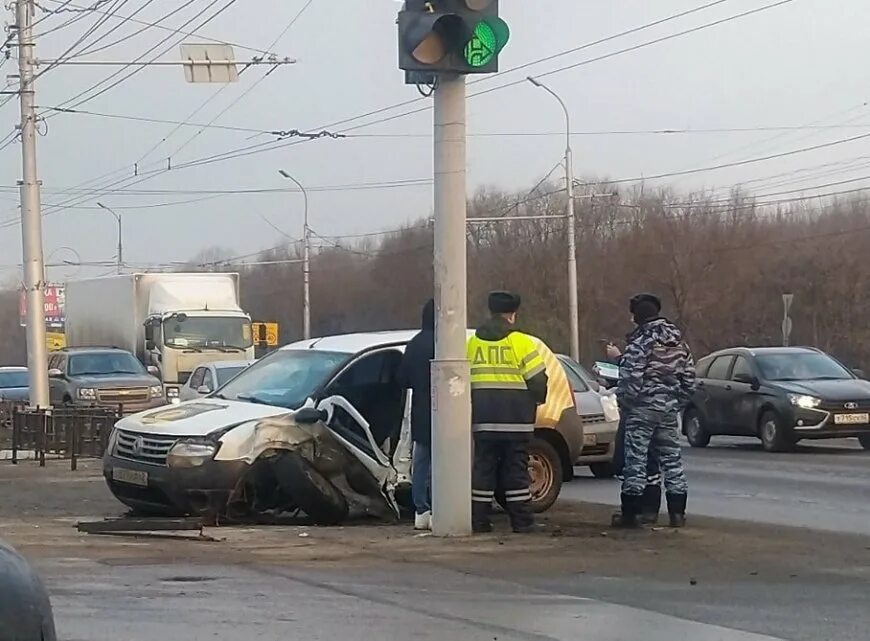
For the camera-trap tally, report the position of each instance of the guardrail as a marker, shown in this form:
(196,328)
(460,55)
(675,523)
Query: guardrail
(66,433)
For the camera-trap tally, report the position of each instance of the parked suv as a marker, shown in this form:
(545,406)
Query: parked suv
(103,377)
(778,394)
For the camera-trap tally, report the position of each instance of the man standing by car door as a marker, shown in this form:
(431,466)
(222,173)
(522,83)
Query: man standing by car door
(508,382)
(415,374)
(656,380)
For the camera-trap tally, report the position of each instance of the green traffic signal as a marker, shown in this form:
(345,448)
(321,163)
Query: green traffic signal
(488,39)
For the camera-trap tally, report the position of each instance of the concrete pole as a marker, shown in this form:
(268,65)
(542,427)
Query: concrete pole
(573,285)
(451,399)
(306,261)
(31,214)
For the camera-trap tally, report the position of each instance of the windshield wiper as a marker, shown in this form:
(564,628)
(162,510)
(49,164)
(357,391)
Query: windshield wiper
(252,399)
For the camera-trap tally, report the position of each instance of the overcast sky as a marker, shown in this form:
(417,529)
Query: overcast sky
(794,65)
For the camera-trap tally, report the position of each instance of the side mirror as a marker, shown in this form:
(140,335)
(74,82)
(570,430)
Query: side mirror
(858,372)
(149,344)
(154,371)
(309,416)
(203,389)
(55,373)
(748,379)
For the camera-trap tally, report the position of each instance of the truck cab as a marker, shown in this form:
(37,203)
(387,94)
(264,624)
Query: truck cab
(178,342)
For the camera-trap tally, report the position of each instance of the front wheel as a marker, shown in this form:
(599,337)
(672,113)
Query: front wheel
(864,440)
(696,434)
(545,476)
(773,434)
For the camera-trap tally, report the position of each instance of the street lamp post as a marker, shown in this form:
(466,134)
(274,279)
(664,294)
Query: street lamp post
(573,303)
(306,261)
(120,236)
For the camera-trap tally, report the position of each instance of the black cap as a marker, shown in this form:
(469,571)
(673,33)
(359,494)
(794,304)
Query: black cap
(649,299)
(504,302)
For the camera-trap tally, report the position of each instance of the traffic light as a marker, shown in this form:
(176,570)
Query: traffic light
(451,36)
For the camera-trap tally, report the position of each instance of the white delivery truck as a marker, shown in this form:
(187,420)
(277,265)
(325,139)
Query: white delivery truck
(173,321)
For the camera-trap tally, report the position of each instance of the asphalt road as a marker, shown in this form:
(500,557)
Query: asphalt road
(822,485)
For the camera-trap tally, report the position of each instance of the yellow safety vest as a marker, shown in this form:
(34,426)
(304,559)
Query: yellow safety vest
(501,402)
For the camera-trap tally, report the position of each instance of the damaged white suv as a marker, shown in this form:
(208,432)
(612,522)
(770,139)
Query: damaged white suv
(321,425)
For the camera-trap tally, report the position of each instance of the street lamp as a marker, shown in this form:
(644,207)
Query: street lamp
(306,261)
(120,236)
(573,304)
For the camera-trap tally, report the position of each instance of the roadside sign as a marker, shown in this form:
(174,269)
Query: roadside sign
(265,334)
(54,307)
(55,341)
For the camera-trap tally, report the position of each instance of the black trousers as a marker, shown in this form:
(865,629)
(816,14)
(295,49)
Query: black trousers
(501,463)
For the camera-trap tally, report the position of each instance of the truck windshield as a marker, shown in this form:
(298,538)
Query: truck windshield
(208,332)
(104,364)
(285,378)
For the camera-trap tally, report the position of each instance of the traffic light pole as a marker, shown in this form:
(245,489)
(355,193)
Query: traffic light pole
(451,377)
(31,216)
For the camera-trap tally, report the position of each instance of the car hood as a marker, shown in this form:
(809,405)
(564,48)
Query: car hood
(15,393)
(844,390)
(112,381)
(197,418)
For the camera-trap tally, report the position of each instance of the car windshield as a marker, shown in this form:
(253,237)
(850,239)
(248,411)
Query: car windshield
(809,366)
(104,364)
(13,379)
(208,332)
(286,378)
(226,373)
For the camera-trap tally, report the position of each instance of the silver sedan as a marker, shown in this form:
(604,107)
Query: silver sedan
(208,377)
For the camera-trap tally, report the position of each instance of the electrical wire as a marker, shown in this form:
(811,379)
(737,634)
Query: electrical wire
(417,100)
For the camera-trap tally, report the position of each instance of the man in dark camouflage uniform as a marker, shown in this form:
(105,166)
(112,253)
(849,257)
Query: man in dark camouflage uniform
(656,381)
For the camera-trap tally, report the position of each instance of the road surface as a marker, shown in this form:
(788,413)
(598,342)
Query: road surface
(822,485)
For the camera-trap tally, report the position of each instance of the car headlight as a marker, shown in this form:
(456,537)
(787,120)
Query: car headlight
(173,395)
(190,454)
(156,391)
(803,401)
(87,393)
(610,407)
(113,441)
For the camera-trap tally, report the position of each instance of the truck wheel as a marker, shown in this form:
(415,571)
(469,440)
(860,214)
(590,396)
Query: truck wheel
(310,490)
(772,433)
(864,440)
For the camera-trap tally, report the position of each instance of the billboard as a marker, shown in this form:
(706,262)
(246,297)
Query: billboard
(55,315)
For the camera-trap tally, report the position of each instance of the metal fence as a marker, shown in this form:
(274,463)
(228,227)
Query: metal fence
(65,433)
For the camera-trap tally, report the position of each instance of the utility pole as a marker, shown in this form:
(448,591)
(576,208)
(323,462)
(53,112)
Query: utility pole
(573,302)
(120,236)
(306,261)
(451,372)
(31,214)
(439,43)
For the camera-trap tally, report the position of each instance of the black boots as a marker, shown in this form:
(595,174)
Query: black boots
(652,504)
(632,506)
(677,509)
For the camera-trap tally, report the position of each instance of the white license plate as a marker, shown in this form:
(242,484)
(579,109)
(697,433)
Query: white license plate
(852,419)
(131,477)
(590,439)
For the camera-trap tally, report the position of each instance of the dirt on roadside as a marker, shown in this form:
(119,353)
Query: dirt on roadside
(40,508)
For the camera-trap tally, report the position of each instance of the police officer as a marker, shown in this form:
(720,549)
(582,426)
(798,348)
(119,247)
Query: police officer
(508,382)
(656,381)
(25,611)
(652,493)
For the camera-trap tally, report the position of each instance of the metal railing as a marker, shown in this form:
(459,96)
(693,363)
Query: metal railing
(64,432)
